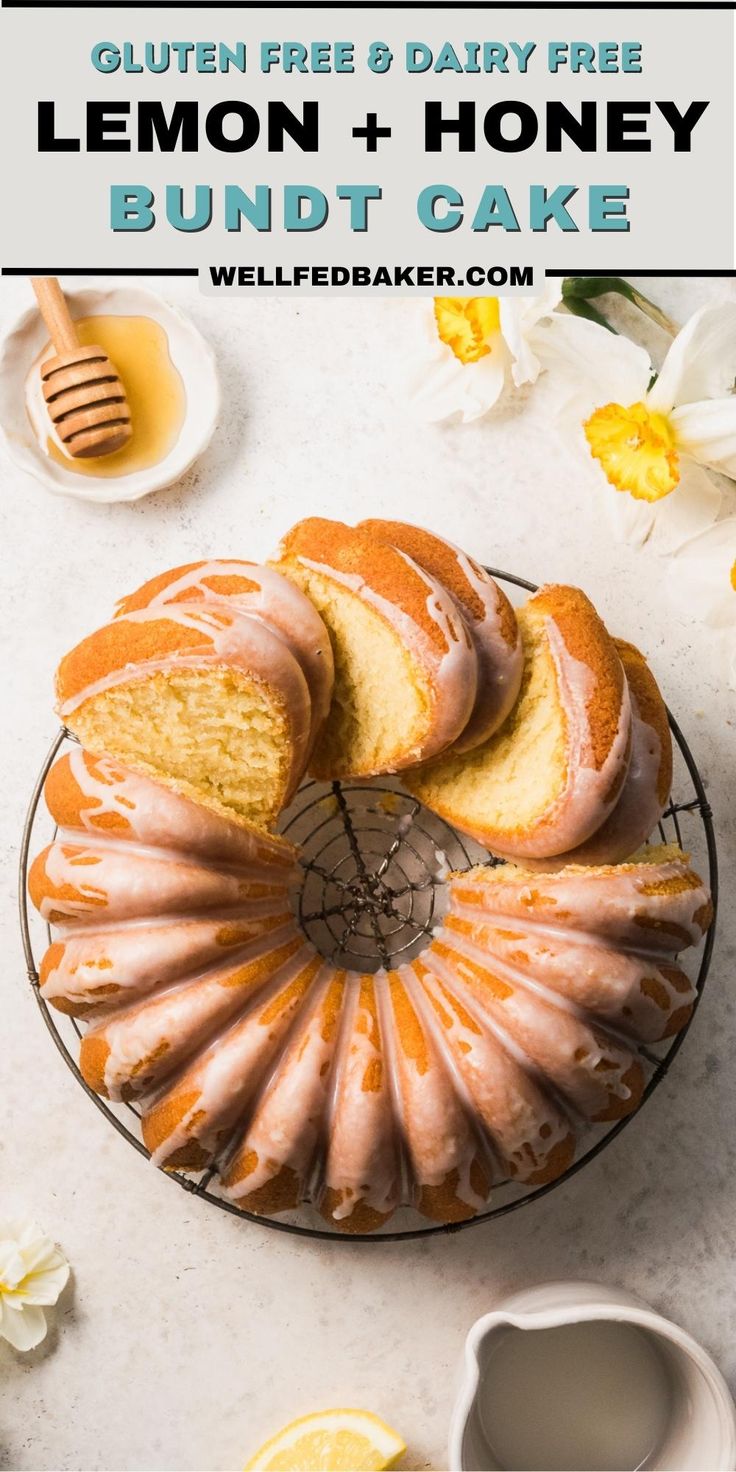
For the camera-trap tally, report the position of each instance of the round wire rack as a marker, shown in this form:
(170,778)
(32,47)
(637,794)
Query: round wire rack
(373,861)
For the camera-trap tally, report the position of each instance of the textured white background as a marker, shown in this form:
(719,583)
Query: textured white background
(187,1336)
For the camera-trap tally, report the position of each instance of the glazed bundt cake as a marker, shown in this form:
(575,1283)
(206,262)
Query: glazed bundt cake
(299,1081)
(553,773)
(406,671)
(195,684)
(366,650)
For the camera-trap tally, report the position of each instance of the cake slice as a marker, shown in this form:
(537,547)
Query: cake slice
(648,781)
(264,594)
(199,696)
(96,796)
(405,668)
(553,773)
(488,615)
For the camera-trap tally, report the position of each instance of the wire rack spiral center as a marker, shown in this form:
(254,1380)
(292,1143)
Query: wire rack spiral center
(374,862)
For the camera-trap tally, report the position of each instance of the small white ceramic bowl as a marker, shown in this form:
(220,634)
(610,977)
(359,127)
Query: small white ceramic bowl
(701,1436)
(190,354)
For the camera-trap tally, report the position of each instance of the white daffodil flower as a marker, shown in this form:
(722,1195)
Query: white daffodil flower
(32,1274)
(702,575)
(653,438)
(471,347)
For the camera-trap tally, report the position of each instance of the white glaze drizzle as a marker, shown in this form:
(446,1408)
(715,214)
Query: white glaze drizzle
(361,1163)
(513,1108)
(136,958)
(227,1074)
(500,665)
(285,1125)
(584,802)
(112,884)
(542,1034)
(618,903)
(606,981)
(437,1113)
(148,1040)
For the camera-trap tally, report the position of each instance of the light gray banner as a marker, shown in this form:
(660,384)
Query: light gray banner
(57,205)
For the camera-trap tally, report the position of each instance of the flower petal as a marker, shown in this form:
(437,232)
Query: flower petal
(701,363)
(23,1328)
(702,570)
(519,315)
(447,387)
(33,1270)
(588,366)
(707,432)
(666,524)
(12,1266)
(44,1285)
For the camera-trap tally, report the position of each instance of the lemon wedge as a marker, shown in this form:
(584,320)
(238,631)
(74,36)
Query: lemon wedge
(330,1441)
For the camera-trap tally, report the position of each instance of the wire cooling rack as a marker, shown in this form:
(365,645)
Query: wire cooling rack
(373,860)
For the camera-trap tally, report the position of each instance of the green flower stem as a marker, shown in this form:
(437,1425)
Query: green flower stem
(577,292)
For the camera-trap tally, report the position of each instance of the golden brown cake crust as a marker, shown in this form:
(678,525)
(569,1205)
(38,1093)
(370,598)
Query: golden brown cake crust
(440,560)
(332,544)
(122,643)
(587,640)
(66,801)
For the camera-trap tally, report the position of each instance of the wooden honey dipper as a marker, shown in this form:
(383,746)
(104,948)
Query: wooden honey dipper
(84,393)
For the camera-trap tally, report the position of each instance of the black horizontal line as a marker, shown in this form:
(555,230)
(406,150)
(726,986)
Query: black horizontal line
(632,271)
(100,271)
(194,271)
(379,5)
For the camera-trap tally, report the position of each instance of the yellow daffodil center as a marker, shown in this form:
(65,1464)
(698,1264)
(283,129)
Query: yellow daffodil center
(465,323)
(636,448)
(733,577)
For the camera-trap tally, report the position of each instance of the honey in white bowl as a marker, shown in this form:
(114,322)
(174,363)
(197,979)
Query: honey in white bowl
(139,348)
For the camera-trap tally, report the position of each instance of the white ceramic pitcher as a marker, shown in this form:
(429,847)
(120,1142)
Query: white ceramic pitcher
(701,1433)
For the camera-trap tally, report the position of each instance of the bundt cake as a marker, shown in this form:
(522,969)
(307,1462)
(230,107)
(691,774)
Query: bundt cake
(553,773)
(406,671)
(188,687)
(298,1081)
(488,615)
(365,650)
